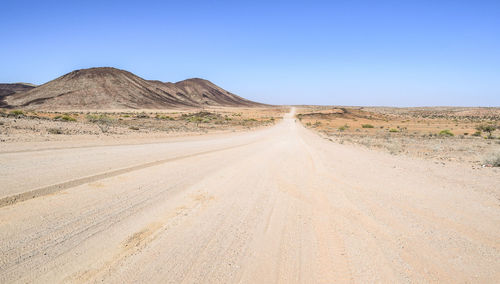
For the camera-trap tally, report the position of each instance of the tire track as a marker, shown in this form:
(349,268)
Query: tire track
(46,190)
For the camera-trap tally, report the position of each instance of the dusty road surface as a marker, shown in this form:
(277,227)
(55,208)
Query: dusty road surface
(278,205)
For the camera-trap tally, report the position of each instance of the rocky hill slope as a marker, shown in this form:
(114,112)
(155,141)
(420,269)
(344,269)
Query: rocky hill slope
(111,88)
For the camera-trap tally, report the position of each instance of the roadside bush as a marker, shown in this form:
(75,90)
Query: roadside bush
(367,126)
(165,117)
(98,118)
(446,132)
(477,133)
(134,127)
(202,116)
(393,130)
(17,113)
(494,161)
(343,128)
(65,118)
(142,115)
(102,121)
(54,131)
(487,128)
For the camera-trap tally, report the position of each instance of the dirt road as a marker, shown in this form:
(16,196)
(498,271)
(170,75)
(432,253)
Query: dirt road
(278,205)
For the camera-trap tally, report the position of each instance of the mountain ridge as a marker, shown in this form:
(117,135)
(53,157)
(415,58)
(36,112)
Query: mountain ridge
(112,88)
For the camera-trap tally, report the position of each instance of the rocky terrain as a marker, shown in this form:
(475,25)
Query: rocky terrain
(443,134)
(25,126)
(109,88)
(9,89)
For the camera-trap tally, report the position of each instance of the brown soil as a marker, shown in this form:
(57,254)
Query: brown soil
(25,126)
(419,132)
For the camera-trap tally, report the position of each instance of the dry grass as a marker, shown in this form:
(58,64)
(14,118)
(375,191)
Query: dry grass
(28,125)
(445,134)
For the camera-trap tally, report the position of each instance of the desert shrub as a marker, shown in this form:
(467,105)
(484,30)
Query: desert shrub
(67,118)
(446,132)
(367,126)
(126,115)
(393,130)
(54,131)
(344,127)
(102,121)
(494,160)
(96,118)
(165,117)
(202,116)
(134,127)
(17,113)
(142,115)
(477,133)
(195,119)
(487,128)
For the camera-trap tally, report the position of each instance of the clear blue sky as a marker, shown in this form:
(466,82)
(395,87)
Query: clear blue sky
(399,53)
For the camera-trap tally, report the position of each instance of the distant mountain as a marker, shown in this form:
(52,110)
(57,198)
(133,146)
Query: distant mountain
(9,89)
(111,88)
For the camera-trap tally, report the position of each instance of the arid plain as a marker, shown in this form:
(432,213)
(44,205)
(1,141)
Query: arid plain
(219,193)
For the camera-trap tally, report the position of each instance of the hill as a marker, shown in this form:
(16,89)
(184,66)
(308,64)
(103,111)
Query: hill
(111,88)
(9,89)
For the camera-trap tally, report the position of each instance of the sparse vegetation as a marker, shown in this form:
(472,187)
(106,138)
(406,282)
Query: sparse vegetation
(142,115)
(344,127)
(17,113)
(367,126)
(55,131)
(410,131)
(64,118)
(494,160)
(487,128)
(446,132)
(103,121)
(165,117)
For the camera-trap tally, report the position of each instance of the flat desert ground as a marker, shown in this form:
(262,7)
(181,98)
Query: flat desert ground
(284,195)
